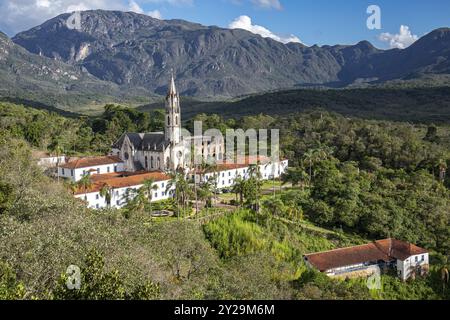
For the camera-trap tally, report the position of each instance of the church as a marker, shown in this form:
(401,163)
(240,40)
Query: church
(168,150)
(138,157)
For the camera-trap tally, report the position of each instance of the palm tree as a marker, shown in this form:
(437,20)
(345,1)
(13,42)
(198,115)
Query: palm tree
(150,186)
(140,200)
(238,189)
(182,190)
(85,182)
(57,148)
(252,187)
(313,156)
(72,186)
(106,192)
(207,190)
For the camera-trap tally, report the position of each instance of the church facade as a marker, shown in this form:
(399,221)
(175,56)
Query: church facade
(168,150)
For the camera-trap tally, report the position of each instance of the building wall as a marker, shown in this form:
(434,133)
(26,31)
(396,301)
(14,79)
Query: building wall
(76,174)
(226,178)
(52,161)
(407,267)
(118,200)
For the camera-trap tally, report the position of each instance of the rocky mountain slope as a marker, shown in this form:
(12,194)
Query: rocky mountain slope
(139,51)
(38,79)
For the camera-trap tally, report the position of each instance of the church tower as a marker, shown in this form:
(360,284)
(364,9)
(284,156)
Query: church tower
(173,115)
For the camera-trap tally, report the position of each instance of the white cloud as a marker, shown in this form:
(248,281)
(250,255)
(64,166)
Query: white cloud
(402,40)
(268,4)
(245,22)
(134,7)
(155,14)
(19,15)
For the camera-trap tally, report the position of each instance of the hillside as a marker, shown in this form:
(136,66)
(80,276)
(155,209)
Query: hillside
(385,186)
(47,83)
(136,50)
(399,104)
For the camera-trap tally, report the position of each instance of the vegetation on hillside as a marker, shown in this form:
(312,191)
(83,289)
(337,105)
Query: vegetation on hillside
(352,181)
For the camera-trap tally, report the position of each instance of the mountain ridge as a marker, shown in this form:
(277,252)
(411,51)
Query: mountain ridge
(139,51)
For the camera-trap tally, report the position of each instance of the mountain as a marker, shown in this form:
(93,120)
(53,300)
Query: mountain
(139,51)
(41,81)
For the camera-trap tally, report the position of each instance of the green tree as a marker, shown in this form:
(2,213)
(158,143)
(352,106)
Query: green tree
(150,186)
(85,182)
(106,192)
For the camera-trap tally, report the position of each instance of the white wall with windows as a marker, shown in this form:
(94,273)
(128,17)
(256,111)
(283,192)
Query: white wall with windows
(226,178)
(76,174)
(120,196)
(418,263)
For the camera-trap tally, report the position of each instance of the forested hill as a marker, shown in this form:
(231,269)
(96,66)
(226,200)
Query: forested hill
(427,105)
(353,181)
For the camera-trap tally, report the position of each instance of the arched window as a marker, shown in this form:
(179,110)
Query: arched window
(151,163)
(168,120)
(146,162)
(176,120)
(158,163)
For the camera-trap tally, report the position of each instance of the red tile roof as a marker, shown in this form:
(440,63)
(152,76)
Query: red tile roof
(91,162)
(122,180)
(399,249)
(239,164)
(381,250)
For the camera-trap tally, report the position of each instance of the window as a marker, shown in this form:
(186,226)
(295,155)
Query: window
(118,202)
(168,120)
(163,194)
(151,162)
(98,170)
(162,185)
(115,168)
(417,259)
(146,162)
(97,206)
(223,182)
(71,173)
(108,169)
(156,194)
(97,197)
(229,174)
(223,174)
(423,258)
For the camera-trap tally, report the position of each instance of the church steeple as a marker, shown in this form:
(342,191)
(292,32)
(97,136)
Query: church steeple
(172,87)
(173,114)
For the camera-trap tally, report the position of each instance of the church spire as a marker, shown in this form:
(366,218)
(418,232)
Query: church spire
(172,87)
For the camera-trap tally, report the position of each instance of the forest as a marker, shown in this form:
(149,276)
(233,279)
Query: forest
(350,181)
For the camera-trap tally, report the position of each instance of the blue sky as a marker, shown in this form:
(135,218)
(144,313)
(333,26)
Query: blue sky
(313,22)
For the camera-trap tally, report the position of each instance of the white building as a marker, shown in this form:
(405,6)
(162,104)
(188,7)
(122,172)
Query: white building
(406,258)
(226,174)
(164,151)
(137,155)
(123,188)
(47,160)
(76,169)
